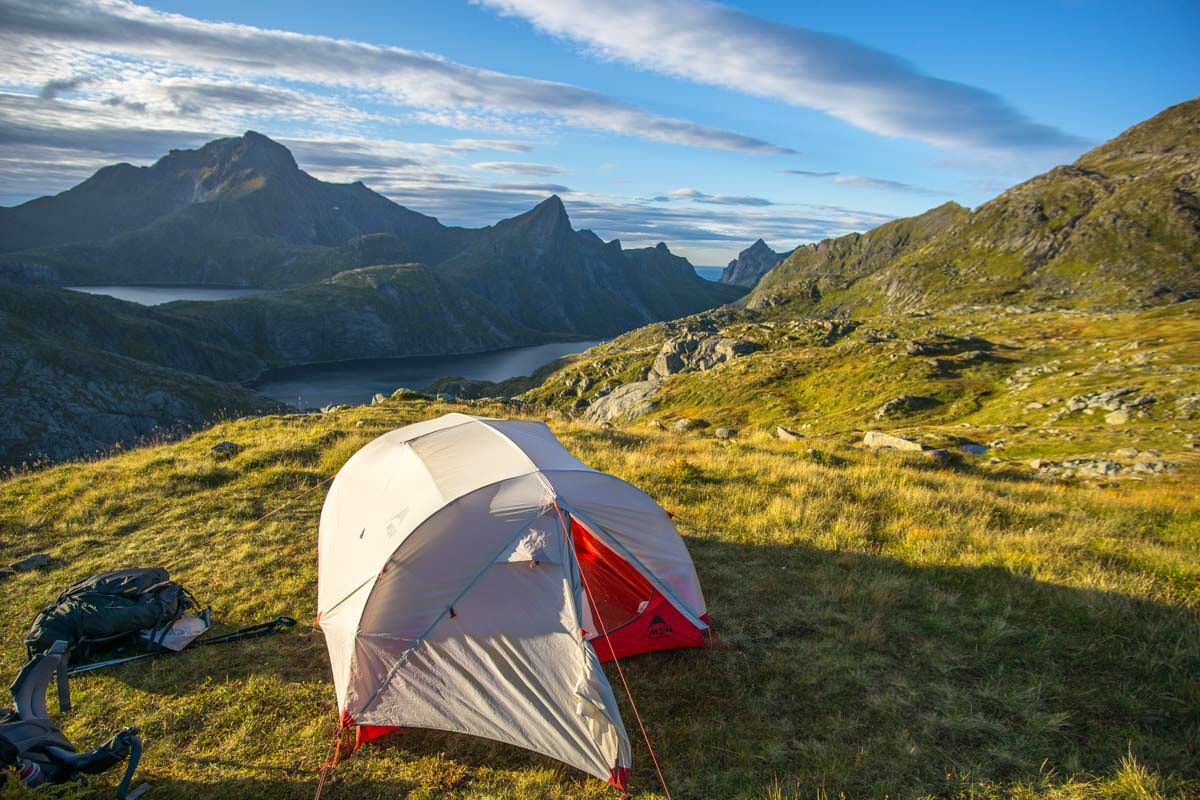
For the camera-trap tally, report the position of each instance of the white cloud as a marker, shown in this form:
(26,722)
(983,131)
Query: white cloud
(67,41)
(518,168)
(714,44)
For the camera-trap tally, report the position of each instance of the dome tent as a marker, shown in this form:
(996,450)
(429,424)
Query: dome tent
(472,576)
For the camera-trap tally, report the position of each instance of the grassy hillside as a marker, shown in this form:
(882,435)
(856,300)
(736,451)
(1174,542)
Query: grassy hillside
(895,626)
(1118,228)
(977,376)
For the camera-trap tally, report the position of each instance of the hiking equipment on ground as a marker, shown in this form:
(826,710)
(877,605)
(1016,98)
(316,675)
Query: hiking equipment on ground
(473,575)
(36,742)
(105,609)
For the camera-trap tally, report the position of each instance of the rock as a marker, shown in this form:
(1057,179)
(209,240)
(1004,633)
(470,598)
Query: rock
(606,425)
(6,572)
(225,449)
(1126,452)
(623,403)
(785,435)
(903,405)
(885,441)
(1034,406)
(937,454)
(333,409)
(696,353)
(656,424)
(30,563)
(378,398)
(408,394)
(1118,417)
(1107,400)
(685,424)
(725,433)
(1038,463)
(444,398)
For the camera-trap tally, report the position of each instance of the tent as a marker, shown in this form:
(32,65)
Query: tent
(473,575)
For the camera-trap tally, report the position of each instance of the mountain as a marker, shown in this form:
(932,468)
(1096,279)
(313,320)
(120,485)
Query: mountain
(236,211)
(814,273)
(1118,228)
(751,264)
(240,211)
(552,277)
(81,373)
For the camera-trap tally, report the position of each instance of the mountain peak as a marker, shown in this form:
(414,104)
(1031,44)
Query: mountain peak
(263,153)
(551,206)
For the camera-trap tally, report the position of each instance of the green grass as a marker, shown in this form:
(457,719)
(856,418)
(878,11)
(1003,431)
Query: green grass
(893,628)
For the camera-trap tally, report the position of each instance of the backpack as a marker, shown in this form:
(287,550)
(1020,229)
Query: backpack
(107,608)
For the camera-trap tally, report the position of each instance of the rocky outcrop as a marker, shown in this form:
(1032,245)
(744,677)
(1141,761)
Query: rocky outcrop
(903,406)
(690,352)
(696,353)
(751,264)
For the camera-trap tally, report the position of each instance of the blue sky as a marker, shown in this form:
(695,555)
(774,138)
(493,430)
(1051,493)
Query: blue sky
(704,125)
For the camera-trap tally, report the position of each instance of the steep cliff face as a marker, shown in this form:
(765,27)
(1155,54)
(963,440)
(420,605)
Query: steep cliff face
(751,264)
(1118,228)
(554,278)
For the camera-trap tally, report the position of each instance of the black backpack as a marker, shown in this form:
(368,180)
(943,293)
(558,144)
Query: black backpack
(107,608)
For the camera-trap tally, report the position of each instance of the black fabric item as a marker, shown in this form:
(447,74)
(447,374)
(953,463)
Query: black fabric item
(108,607)
(9,754)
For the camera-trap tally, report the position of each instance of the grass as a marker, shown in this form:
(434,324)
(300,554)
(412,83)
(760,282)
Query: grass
(893,627)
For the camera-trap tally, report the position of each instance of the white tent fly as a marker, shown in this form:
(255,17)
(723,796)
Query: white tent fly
(473,574)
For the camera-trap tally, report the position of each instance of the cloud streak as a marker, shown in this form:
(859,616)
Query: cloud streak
(714,44)
(31,30)
(865,182)
(518,168)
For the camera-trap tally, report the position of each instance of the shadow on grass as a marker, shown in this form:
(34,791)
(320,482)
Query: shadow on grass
(857,673)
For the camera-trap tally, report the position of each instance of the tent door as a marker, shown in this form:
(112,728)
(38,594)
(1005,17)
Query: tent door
(630,615)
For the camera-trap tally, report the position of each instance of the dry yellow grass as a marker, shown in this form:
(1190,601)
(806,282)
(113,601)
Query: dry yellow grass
(895,627)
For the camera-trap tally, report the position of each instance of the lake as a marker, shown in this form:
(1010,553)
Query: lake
(355,382)
(709,273)
(157,295)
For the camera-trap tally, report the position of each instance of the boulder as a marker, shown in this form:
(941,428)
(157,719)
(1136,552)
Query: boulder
(875,440)
(225,449)
(378,398)
(725,433)
(333,409)
(623,403)
(685,424)
(1118,417)
(785,435)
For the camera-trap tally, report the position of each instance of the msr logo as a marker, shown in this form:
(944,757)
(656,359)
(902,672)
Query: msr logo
(658,627)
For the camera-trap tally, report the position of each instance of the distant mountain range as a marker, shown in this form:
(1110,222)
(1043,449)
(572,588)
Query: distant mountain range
(360,277)
(366,278)
(1119,228)
(240,212)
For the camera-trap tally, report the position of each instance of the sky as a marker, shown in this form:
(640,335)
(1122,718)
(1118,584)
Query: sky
(701,124)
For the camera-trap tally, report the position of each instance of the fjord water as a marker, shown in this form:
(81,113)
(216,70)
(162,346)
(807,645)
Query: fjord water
(157,295)
(709,273)
(353,382)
